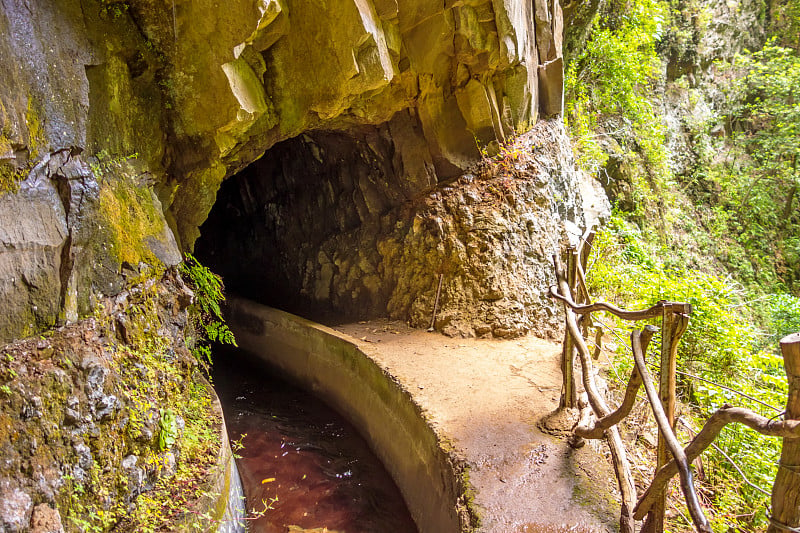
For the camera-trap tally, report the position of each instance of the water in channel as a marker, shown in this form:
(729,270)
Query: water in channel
(303,458)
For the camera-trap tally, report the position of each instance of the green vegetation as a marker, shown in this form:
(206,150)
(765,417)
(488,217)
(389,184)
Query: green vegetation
(12,172)
(205,312)
(171,500)
(720,231)
(755,183)
(722,344)
(607,108)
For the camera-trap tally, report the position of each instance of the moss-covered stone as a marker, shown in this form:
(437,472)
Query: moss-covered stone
(36,134)
(133,215)
(81,412)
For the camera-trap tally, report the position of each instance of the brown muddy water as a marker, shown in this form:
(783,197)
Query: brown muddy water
(302,458)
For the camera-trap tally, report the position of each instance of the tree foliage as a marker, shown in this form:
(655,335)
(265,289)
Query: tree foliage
(608,84)
(724,235)
(757,178)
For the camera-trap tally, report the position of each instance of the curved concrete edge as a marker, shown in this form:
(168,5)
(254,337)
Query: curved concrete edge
(222,506)
(229,510)
(430,476)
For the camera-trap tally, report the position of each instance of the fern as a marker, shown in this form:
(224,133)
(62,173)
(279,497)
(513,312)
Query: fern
(205,312)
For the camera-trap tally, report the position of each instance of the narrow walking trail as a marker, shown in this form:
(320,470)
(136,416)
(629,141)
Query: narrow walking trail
(486,396)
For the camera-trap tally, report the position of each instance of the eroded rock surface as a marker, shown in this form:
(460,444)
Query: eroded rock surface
(119,121)
(162,101)
(71,235)
(358,241)
(199,90)
(83,410)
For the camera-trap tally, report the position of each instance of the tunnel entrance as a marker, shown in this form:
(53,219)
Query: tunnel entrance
(368,222)
(298,228)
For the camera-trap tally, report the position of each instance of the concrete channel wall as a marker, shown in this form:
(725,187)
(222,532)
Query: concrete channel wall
(331,365)
(228,506)
(221,508)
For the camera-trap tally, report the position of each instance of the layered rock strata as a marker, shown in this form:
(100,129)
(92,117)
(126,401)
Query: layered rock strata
(175,97)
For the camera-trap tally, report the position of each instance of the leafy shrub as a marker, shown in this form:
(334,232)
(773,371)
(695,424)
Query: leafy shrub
(783,311)
(724,240)
(721,345)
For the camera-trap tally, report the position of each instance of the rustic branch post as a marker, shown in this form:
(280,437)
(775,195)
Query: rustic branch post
(586,247)
(786,490)
(675,319)
(569,397)
(625,482)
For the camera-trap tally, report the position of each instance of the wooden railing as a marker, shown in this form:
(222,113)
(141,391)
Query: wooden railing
(597,420)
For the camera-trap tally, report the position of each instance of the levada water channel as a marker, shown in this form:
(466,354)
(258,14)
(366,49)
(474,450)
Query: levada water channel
(302,458)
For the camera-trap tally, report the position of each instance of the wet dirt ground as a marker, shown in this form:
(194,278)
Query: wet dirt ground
(486,396)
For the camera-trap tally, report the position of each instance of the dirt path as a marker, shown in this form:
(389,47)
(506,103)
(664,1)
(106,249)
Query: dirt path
(486,396)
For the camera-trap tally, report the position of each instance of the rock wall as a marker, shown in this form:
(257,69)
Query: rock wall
(175,97)
(690,97)
(94,414)
(355,242)
(120,120)
(71,235)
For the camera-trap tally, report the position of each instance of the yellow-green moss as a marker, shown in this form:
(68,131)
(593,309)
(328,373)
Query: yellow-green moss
(5,144)
(9,176)
(36,134)
(132,216)
(468,499)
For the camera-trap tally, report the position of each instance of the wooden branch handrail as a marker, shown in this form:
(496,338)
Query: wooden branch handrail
(627,488)
(674,322)
(654,311)
(687,483)
(709,432)
(787,483)
(595,399)
(597,430)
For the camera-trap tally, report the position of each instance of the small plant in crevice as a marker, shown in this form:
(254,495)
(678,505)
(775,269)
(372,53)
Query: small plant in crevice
(205,312)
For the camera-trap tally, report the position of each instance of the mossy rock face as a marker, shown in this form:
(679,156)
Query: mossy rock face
(200,88)
(72,233)
(136,227)
(94,414)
